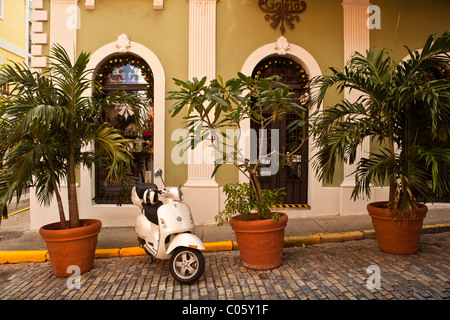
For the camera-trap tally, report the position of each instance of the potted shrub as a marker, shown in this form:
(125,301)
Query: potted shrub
(404,107)
(218,105)
(47,123)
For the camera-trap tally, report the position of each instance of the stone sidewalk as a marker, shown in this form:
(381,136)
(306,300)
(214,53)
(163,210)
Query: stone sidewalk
(327,271)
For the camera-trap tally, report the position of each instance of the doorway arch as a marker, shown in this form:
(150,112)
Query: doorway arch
(293,176)
(128,73)
(159,87)
(312,69)
(87,189)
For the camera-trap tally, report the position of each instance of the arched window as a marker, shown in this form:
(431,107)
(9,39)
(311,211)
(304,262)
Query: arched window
(128,73)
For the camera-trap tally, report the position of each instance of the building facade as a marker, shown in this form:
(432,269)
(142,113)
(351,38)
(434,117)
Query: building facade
(141,45)
(15,21)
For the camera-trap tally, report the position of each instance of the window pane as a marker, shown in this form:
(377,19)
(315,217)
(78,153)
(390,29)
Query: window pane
(127,74)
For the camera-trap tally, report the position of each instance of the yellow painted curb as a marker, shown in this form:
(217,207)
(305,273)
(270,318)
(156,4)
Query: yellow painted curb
(25,209)
(218,246)
(23,256)
(131,251)
(106,253)
(299,240)
(341,236)
(443,225)
(438,225)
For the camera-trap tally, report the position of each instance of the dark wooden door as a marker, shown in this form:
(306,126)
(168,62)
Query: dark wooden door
(293,176)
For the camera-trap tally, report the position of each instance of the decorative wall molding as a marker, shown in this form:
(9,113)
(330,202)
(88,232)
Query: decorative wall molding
(38,4)
(123,43)
(39,15)
(12,48)
(89,4)
(282,45)
(281,12)
(158,4)
(38,38)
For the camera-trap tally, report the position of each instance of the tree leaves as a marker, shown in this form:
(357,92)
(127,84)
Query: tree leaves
(47,122)
(399,106)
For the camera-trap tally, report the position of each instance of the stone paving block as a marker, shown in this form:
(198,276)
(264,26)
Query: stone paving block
(329,271)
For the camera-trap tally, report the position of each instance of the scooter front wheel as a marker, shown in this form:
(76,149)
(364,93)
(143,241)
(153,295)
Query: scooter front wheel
(187,265)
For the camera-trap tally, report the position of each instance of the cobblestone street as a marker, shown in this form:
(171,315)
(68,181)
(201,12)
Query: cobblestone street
(332,271)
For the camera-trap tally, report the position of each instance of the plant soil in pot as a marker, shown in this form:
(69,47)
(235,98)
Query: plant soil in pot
(399,235)
(71,247)
(260,242)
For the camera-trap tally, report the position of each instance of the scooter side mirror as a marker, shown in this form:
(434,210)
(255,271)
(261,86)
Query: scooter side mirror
(158,173)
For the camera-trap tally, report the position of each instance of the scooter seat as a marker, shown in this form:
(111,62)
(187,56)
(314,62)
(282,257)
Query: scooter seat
(151,211)
(140,188)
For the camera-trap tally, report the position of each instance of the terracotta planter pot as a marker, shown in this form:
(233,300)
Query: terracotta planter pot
(400,235)
(260,242)
(71,247)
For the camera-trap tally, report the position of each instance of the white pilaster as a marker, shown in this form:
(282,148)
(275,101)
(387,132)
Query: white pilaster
(202,62)
(64,21)
(202,192)
(356,39)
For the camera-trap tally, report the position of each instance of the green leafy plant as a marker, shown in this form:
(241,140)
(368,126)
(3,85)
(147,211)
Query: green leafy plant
(404,109)
(219,105)
(241,200)
(48,123)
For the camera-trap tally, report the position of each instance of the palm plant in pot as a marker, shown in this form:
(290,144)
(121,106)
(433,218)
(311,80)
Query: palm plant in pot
(214,107)
(47,125)
(404,107)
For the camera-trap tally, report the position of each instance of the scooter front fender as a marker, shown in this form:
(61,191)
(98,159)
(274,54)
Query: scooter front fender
(185,240)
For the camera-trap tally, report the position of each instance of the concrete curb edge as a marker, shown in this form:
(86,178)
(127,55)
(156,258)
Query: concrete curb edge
(11,257)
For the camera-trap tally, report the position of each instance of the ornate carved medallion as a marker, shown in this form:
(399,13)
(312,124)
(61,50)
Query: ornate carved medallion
(281,12)
(123,43)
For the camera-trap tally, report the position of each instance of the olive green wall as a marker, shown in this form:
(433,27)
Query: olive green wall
(165,32)
(242,29)
(416,21)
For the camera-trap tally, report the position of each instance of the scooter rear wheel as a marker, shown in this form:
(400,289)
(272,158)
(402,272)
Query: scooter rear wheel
(187,265)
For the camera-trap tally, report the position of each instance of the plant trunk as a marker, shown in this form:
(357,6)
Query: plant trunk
(62,216)
(74,217)
(392,178)
(392,188)
(257,185)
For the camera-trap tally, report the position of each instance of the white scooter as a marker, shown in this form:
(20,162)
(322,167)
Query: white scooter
(166,231)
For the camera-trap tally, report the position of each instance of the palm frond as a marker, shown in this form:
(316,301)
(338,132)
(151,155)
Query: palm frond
(400,106)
